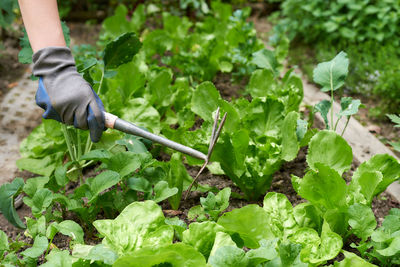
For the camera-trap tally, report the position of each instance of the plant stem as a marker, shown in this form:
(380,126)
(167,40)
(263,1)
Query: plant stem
(331,83)
(337,121)
(347,122)
(78,137)
(332,109)
(88,144)
(101,82)
(68,141)
(81,166)
(48,246)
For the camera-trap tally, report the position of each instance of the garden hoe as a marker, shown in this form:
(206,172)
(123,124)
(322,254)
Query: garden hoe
(113,122)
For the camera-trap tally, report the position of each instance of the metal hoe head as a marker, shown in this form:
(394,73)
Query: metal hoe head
(216,131)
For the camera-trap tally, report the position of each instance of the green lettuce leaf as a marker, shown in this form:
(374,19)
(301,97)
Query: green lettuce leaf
(331,75)
(7,193)
(337,157)
(177,255)
(131,230)
(201,236)
(251,222)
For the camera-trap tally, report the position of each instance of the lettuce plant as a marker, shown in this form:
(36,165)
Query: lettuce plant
(259,135)
(384,244)
(345,207)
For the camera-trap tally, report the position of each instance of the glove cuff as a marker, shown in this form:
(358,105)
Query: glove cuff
(52,59)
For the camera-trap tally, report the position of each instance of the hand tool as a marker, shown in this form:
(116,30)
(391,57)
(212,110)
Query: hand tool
(113,122)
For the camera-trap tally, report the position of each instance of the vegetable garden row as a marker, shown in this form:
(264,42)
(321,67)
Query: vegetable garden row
(156,69)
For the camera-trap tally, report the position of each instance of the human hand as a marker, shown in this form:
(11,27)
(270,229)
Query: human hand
(64,94)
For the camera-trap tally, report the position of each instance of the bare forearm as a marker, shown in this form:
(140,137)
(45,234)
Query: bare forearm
(42,23)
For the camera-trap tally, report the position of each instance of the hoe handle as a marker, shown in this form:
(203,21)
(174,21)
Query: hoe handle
(113,122)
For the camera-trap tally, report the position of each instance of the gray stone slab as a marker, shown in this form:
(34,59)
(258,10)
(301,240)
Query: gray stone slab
(18,116)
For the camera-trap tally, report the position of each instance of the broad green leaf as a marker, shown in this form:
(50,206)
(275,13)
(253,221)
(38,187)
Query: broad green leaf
(98,253)
(349,106)
(130,80)
(39,246)
(179,226)
(177,255)
(392,249)
(251,222)
(317,250)
(225,66)
(266,252)
(33,184)
(140,112)
(58,258)
(330,149)
(139,184)
(301,129)
(7,193)
(323,188)
(121,50)
(323,108)
(131,230)
(229,256)
(289,255)
(68,228)
(163,191)
(290,144)
(221,240)
(40,201)
(307,215)
(101,182)
(201,236)
(362,220)
(160,88)
(280,211)
(60,174)
(265,59)
(265,117)
(44,166)
(35,227)
(97,154)
(366,183)
(392,221)
(221,10)
(331,75)
(395,145)
(352,260)
(126,163)
(118,24)
(176,176)
(205,100)
(384,163)
(134,143)
(395,119)
(4,246)
(262,83)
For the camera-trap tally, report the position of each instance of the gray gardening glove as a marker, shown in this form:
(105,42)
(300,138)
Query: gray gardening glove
(64,94)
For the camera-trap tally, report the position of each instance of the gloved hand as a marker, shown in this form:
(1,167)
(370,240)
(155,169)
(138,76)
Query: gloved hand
(64,94)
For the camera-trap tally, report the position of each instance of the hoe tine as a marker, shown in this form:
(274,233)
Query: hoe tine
(216,136)
(216,131)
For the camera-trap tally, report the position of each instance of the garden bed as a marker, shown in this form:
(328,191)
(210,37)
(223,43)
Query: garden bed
(281,191)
